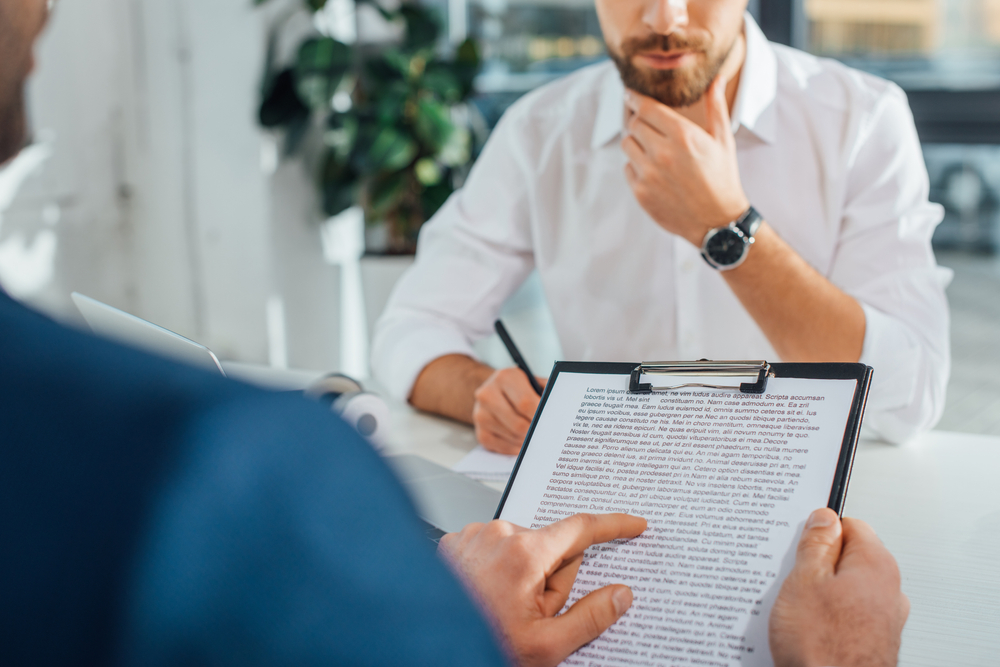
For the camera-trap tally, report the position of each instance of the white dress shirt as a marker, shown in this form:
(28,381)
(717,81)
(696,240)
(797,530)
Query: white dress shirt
(827,154)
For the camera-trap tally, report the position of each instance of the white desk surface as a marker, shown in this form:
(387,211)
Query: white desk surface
(935,503)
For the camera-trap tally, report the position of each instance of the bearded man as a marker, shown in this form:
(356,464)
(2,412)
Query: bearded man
(707,194)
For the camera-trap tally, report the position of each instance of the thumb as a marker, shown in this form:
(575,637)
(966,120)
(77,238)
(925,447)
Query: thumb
(589,618)
(820,545)
(717,106)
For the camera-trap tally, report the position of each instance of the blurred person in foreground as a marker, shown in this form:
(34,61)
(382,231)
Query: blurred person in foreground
(705,194)
(156,515)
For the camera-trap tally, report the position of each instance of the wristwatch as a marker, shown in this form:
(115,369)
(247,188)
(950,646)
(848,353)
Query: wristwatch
(725,248)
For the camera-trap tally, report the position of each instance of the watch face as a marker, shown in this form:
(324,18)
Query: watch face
(726,247)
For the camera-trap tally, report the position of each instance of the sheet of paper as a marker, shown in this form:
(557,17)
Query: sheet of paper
(486,466)
(726,482)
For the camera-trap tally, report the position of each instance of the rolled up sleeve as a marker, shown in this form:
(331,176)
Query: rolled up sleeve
(885,261)
(471,257)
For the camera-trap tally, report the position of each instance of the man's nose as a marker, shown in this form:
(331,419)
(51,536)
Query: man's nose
(665,16)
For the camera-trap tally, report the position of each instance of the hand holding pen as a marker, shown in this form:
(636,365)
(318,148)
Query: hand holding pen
(506,403)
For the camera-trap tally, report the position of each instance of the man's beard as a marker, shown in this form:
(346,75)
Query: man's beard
(13,124)
(676,88)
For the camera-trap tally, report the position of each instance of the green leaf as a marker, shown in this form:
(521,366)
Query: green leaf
(457,151)
(386,193)
(339,185)
(440,81)
(434,197)
(467,53)
(468,62)
(422,26)
(433,124)
(427,171)
(391,103)
(392,150)
(321,65)
(295,134)
(386,14)
(341,134)
(397,61)
(316,5)
(281,105)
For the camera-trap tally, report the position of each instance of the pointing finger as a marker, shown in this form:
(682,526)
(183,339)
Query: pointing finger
(719,123)
(572,536)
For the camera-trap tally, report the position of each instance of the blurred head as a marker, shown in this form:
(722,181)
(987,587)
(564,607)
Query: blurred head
(21,21)
(670,50)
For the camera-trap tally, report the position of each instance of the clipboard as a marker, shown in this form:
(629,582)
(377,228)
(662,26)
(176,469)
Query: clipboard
(724,376)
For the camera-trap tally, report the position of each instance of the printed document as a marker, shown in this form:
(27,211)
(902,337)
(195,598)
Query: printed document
(726,481)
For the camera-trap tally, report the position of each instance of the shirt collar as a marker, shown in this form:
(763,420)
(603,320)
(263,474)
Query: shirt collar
(754,108)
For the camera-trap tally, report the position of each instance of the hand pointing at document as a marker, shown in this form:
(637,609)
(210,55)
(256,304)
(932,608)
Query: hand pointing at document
(524,577)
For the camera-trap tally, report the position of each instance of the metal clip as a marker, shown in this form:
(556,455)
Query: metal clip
(703,368)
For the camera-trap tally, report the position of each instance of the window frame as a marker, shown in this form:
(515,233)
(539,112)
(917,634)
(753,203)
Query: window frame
(942,116)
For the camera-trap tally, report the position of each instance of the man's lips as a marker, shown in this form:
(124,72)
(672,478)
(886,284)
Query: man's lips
(665,59)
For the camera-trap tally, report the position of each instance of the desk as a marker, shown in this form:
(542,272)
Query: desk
(935,503)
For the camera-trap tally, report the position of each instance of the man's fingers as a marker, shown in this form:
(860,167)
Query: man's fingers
(657,115)
(857,533)
(452,542)
(522,398)
(645,136)
(494,412)
(636,157)
(719,123)
(589,618)
(559,586)
(509,427)
(572,536)
(863,549)
(500,444)
(819,547)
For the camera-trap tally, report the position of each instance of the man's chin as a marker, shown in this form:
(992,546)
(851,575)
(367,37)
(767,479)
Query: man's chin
(677,94)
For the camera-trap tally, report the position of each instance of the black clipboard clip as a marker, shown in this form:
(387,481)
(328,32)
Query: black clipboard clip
(703,368)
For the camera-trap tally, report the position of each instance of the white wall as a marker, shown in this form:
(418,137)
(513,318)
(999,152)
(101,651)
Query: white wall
(164,209)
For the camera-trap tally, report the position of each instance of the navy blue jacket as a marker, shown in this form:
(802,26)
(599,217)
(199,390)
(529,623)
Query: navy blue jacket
(152,514)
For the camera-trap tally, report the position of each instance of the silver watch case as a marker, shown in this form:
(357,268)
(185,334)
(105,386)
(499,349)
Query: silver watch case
(731,228)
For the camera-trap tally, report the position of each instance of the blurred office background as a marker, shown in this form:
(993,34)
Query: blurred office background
(151,186)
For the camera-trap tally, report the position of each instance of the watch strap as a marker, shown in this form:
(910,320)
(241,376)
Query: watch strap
(749,222)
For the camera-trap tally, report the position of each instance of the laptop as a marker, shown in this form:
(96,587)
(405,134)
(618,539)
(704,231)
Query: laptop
(109,322)
(446,501)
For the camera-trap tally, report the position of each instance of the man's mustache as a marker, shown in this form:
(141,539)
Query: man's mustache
(665,43)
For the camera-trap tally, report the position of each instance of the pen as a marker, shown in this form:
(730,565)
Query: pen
(516,356)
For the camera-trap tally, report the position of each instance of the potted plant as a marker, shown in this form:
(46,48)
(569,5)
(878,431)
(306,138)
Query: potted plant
(388,116)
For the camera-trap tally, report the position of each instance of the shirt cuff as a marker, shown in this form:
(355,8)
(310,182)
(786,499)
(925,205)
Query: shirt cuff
(908,386)
(400,352)
(893,356)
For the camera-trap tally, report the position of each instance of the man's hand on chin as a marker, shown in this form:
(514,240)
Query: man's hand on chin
(687,178)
